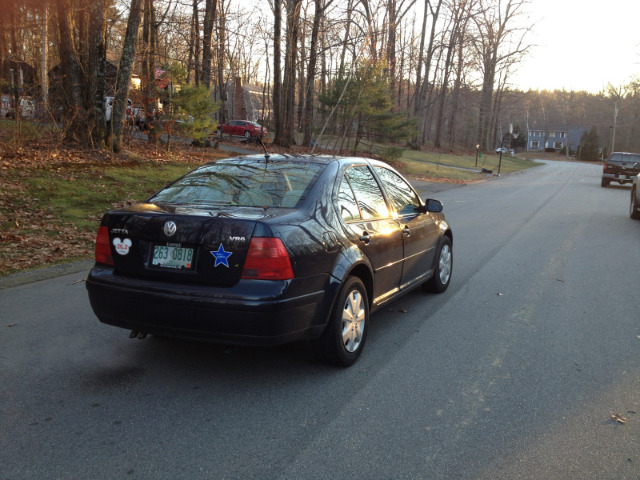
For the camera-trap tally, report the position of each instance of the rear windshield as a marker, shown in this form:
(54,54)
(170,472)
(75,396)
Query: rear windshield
(254,183)
(627,158)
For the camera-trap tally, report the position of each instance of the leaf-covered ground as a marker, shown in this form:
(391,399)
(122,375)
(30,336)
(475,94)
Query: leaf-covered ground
(32,177)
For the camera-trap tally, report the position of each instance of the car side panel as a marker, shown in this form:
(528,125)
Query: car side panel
(420,237)
(381,242)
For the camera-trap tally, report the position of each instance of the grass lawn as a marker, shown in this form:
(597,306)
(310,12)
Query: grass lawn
(458,167)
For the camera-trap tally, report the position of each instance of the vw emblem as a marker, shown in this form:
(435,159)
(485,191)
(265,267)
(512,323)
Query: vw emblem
(170,229)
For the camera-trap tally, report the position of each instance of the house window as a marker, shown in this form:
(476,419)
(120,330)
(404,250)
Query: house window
(535,144)
(558,145)
(552,134)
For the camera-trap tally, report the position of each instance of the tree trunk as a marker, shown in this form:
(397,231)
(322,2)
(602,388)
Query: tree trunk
(293,23)
(72,73)
(150,91)
(302,86)
(124,74)
(209,21)
(307,121)
(97,70)
(194,47)
(277,72)
(345,42)
(425,89)
(221,56)
(494,32)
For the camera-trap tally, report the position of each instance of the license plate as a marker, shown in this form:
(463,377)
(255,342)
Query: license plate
(172,257)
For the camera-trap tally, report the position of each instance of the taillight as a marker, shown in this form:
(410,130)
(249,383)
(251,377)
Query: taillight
(604,168)
(267,259)
(103,249)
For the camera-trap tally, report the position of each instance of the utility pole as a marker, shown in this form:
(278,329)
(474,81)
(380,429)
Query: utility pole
(615,119)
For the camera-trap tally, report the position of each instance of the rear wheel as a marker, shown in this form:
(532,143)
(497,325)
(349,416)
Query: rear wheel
(247,135)
(346,333)
(442,275)
(633,207)
(605,182)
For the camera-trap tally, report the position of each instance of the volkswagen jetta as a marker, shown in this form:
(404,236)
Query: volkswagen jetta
(264,250)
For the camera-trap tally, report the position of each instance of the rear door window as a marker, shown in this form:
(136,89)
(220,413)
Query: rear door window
(366,192)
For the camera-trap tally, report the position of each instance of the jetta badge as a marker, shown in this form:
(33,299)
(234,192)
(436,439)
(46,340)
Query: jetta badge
(170,229)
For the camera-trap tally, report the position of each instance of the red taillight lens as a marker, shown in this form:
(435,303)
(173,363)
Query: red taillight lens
(103,249)
(267,259)
(604,167)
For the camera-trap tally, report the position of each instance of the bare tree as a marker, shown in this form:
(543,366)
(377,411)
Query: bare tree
(500,40)
(277,75)
(422,83)
(124,74)
(194,46)
(460,14)
(97,70)
(396,10)
(320,7)
(70,69)
(209,22)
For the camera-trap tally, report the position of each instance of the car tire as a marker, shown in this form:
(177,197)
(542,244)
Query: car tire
(633,207)
(247,135)
(604,183)
(343,340)
(444,265)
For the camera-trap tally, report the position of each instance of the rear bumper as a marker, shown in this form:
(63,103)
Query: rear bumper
(621,177)
(261,313)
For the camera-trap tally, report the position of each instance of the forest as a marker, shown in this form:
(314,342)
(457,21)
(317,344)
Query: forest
(412,73)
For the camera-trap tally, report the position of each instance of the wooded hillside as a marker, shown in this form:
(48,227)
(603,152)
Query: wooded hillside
(417,73)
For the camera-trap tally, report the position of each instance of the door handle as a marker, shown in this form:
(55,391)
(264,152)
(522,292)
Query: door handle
(365,238)
(407,231)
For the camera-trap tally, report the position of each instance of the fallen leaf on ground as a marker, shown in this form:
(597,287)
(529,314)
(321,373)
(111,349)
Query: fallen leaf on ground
(618,418)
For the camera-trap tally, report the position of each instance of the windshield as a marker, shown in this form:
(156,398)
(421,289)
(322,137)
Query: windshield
(627,158)
(249,183)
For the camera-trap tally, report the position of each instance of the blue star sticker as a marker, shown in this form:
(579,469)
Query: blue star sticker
(221,256)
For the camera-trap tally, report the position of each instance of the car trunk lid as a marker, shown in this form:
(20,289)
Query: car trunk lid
(181,244)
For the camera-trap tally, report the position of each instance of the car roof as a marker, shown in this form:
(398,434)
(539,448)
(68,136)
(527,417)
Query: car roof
(302,158)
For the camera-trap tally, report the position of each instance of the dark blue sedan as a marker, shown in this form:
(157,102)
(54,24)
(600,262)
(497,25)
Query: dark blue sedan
(263,250)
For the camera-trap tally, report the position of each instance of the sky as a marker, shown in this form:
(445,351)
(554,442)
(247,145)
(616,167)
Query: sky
(581,45)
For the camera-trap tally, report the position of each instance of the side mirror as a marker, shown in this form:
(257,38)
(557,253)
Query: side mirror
(431,205)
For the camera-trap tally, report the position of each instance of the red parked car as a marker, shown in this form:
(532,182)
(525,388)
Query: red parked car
(242,128)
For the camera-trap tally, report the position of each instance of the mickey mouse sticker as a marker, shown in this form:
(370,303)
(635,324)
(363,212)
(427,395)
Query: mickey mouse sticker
(122,246)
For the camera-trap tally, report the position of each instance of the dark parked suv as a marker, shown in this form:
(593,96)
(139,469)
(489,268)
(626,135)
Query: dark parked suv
(620,167)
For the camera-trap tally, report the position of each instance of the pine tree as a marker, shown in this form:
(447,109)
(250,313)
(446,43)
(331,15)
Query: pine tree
(590,146)
(365,109)
(188,109)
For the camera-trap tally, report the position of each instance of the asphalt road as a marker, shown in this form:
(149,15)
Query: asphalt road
(514,372)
